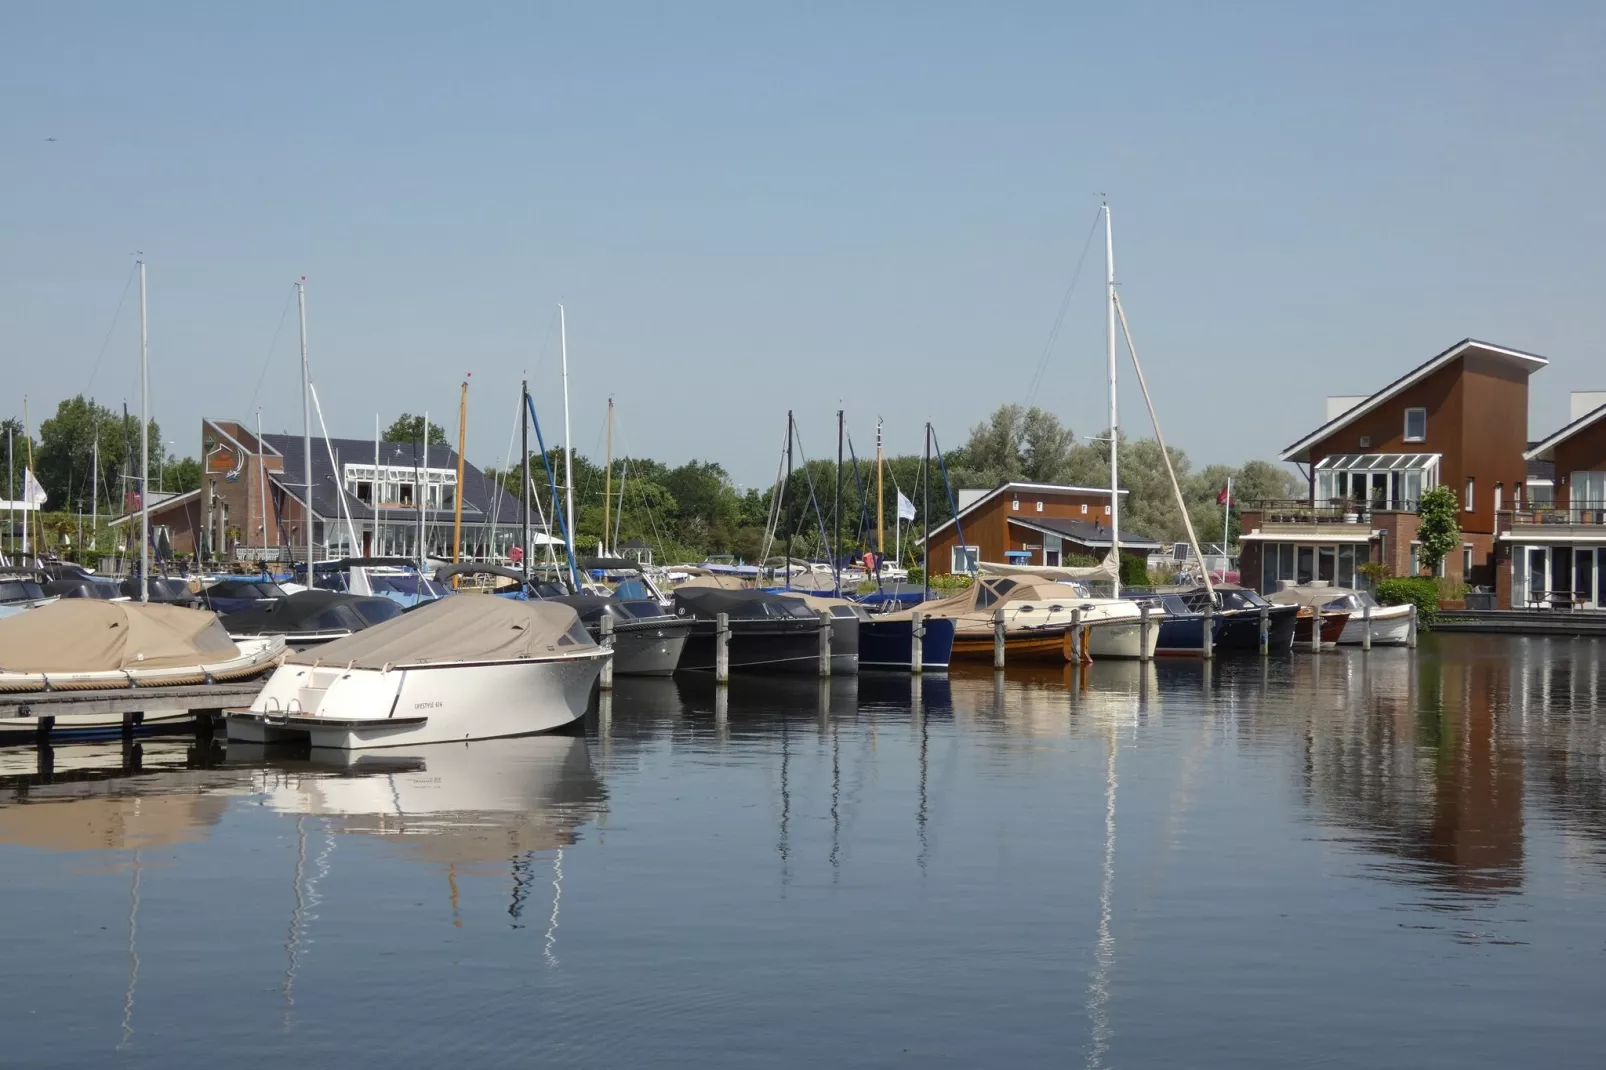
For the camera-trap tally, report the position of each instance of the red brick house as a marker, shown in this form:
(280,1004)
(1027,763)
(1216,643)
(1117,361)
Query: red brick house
(1458,420)
(1030,524)
(1552,547)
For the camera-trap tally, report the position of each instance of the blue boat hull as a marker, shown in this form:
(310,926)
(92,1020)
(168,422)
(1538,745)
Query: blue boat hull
(886,644)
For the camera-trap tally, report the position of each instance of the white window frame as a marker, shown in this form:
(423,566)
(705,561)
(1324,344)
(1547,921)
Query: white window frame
(1084,508)
(1408,437)
(961,556)
(1466,561)
(1039,507)
(1014,505)
(1471,494)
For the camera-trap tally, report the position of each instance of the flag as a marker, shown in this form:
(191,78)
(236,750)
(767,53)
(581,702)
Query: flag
(906,508)
(1225,497)
(32,492)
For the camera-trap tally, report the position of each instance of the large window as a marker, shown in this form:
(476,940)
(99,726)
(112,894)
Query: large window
(1375,480)
(1416,425)
(1289,563)
(1587,490)
(964,558)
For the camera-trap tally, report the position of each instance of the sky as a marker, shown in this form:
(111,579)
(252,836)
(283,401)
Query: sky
(749,208)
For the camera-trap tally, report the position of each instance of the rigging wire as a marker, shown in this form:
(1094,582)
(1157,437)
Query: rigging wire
(267,359)
(95,370)
(1059,320)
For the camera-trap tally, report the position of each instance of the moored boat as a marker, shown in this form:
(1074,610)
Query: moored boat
(846,620)
(886,641)
(646,640)
(1037,616)
(768,632)
(1390,625)
(451,670)
(311,618)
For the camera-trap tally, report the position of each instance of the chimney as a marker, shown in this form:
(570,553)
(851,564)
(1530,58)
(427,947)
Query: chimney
(1585,402)
(1339,404)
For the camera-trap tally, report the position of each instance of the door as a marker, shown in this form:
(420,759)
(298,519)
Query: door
(1584,576)
(1538,574)
(1561,570)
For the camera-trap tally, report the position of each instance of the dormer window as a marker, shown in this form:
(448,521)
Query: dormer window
(1416,425)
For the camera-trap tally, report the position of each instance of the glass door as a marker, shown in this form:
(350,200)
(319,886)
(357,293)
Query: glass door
(1584,577)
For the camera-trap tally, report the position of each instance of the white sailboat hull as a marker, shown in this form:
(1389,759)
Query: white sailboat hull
(1123,639)
(1391,626)
(352,709)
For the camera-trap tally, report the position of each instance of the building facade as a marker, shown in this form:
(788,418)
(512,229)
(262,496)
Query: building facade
(1552,547)
(1029,524)
(1458,420)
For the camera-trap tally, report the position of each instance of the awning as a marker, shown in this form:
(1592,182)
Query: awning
(1544,538)
(1313,538)
(1377,462)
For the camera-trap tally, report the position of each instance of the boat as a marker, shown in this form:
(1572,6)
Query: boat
(1332,626)
(1037,615)
(768,632)
(886,641)
(1391,625)
(646,640)
(395,578)
(451,670)
(238,593)
(1182,629)
(21,590)
(847,619)
(92,643)
(1237,618)
(311,618)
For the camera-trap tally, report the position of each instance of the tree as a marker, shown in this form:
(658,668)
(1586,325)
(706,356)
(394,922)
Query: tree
(407,428)
(1438,532)
(67,452)
(1015,443)
(182,475)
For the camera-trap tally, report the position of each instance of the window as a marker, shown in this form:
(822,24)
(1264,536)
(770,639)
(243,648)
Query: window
(1470,487)
(1416,425)
(1014,504)
(1499,496)
(1466,564)
(1416,559)
(1106,510)
(963,559)
(1541,494)
(1084,508)
(1039,507)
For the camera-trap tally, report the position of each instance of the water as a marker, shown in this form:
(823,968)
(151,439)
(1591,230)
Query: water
(1393,860)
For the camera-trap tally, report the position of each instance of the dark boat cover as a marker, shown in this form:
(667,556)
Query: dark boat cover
(705,603)
(312,611)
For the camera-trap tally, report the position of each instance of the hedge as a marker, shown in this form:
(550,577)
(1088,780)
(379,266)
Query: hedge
(1420,591)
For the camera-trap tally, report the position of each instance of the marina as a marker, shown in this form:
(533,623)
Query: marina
(1122,863)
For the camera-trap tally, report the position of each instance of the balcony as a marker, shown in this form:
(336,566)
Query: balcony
(1586,518)
(1305,519)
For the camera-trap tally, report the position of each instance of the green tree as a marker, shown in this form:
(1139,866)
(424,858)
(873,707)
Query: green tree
(1438,532)
(407,428)
(182,475)
(67,451)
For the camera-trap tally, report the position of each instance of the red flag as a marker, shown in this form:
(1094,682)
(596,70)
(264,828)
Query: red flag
(1224,498)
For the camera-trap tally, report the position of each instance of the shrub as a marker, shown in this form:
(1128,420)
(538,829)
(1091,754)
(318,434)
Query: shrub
(1134,571)
(1420,591)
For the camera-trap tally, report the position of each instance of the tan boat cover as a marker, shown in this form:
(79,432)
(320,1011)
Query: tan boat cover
(720,582)
(1104,570)
(1308,595)
(458,628)
(89,635)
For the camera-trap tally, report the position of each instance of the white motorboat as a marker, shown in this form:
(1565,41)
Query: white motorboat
(450,670)
(92,643)
(1391,625)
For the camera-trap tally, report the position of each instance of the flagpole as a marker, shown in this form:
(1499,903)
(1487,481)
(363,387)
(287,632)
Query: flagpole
(144,447)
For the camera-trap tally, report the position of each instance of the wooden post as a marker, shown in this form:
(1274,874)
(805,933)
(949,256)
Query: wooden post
(1074,638)
(825,643)
(1265,631)
(1207,643)
(1410,633)
(1316,629)
(1366,629)
(722,650)
(917,633)
(998,638)
(606,642)
(1144,633)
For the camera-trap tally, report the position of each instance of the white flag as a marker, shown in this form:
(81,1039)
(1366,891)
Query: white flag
(906,508)
(32,492)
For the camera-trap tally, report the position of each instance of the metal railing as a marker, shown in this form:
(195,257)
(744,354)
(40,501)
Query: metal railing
(1283,511)
(1574,514)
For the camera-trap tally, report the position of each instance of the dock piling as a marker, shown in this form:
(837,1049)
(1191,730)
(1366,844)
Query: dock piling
(825,643)
(998,638)
(1207,643)
(606,682)
(1265,631)
(917,635)
(1315,629)
(1143,636)
(722,649)
(1410,633)
(1076,651)
(1366,629)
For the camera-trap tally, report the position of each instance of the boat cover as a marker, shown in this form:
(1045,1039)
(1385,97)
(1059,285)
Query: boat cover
(88,635)
(458,629)
(592,607)
(1308,595)
(719,583)
(705,603)
(313,610)
(1104,570)
(970,601)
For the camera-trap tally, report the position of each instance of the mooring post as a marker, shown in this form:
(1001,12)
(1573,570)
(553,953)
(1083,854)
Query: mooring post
(1265,631)
(1143,636)
(606,642)
(917,633)
(1410,633)
(1074,637)
(1207,642)
(1316,629)
(825,642)
(722,649)
(998,638)
(1366,627)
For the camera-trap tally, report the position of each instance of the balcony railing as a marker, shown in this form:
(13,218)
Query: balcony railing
(1575,514)
(1282,511)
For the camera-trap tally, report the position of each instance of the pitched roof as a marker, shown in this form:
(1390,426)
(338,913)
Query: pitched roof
(1530,362)
(1542,450)
(1053,488)
(1086,532)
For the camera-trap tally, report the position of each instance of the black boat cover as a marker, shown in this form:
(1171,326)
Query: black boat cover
(705,603)
(592,608)
(312,611)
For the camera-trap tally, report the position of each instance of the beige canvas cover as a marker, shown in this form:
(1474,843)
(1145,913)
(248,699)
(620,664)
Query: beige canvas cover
(88,635)
(721,582)
(1104,570)
(962,607)
(458,628)
(1308,595)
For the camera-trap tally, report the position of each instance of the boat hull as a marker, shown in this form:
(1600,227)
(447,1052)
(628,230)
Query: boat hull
(887,644)
(1238,630)
(1037,644)
(1391,626)
(1123,639)
(1333,625)
(352,709)
(1182,636)
(649,649)
(782,645)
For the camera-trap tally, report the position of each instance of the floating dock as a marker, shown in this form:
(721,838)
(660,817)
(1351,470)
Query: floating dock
(1522,621)
(62,716)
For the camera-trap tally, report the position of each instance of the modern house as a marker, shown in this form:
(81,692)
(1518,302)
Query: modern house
(1029,524)
(1552,548)
(368,498)
(1458,420)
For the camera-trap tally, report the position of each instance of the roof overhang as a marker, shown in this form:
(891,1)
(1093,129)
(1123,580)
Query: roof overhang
(1546,538)
(1311,538)
(1526,362)
(159,507)
(1132,542)
(1545,450)
(1053,488)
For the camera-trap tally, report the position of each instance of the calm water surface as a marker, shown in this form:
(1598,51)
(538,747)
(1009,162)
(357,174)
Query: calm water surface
(1391,860)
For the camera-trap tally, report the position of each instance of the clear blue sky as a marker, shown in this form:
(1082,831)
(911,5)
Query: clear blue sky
(747,208)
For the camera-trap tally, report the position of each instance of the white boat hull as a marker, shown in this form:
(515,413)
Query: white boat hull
(1122,639)
(353,709)
(1391,626)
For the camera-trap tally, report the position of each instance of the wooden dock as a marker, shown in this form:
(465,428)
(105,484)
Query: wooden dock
(59,716)
(1522,621)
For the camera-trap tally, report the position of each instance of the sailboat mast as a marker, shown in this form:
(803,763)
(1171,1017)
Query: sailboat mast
(262,481)
(607,486)
(94,488)
(419,479)
(880,498)
(925,512)
(568,445)
(144,446)
(1115,415)
(457,499)
(524,467)
(306,424)
(788,486)
(836,509)
(373,492)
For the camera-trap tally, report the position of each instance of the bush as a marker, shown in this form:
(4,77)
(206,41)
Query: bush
(1134,571)
(1420,591)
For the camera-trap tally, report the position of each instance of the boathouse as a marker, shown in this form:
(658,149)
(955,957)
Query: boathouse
(1029,524)
(251,505)
(1457,420)
(1552,547)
